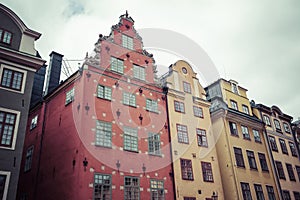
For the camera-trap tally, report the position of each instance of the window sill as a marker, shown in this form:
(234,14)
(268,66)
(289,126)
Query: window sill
(153,154)
(132,151)
(156,112)
(107,147)
(235,135)
(103,98)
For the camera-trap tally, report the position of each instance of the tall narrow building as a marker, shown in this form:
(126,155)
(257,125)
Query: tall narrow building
(245,166)
(102,133)
(195,162)
(283,150)
(18,62)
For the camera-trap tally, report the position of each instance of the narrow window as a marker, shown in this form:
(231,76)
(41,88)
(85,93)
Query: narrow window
(239,157)
(207,172)
(298,171)
(131,188)
(186,169)
(103,133)
(33,123)
(271,193)
(263,162)
(245,132)
(251,159)
(28,159)
(70,96)
(139,72)
(283,146)
(290,172)
(127,42)
(233,128)
(234,88)
(286,195)
(234,105)
(187,87)
(280,170)
(273,143)
(246,191)
(182,134)
(286,128)
(293,149)
(7,126)
(277,125)
(259,192)
(201,136)
(267,120)
(256,136)
(157,189)
(130,139)
(5,36)
(245,109)
(102,187)
(154,144)
(4,180)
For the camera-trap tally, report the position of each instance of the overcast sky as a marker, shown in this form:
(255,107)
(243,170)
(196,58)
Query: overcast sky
(256,43)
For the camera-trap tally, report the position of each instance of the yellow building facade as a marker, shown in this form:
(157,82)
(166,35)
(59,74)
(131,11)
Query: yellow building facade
(246,170)
(283,150)
(195,164)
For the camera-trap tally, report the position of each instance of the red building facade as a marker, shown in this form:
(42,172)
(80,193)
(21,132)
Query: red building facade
(103,133)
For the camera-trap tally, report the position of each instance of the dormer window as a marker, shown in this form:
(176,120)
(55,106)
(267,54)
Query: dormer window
(234,87)
(5,36)
(127,42)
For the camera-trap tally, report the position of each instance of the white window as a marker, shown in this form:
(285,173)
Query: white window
(151,105)
(245,109)
(245,132)
(104,92)
(187,87)
(4,182)
(116,65)
(139,72)
(127,42)
(70,96)
(256,135)
(130,139)
(28,160)
(5,36)
(267,120)
(129,99)
(233,105)
(34,122)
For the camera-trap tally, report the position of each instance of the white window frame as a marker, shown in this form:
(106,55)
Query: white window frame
(127,42)
(7,174)
(16,128)
(3,66)
(33,123)
(139,72)
(70,94)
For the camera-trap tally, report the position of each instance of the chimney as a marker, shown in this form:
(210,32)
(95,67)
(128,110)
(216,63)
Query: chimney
(54,71)
(38,86)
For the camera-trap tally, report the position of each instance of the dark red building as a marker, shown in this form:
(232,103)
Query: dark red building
(102,133)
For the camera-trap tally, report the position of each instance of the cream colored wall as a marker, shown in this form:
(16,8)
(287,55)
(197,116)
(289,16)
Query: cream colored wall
(232,175)
(186,188)
(27,45)
(241,99)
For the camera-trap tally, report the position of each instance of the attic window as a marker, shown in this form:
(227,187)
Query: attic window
(5,36)
(33,122)
(184,70)
(234,87)
(127,42)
